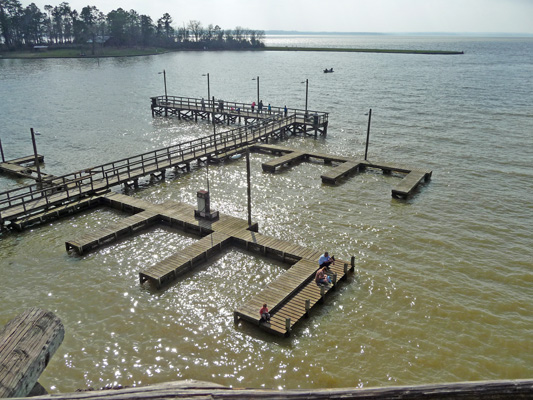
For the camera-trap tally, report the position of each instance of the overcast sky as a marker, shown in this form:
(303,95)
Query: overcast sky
(471,16)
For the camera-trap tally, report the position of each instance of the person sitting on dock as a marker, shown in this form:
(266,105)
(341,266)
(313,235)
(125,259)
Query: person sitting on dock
(265,315)
(321,278)
(325,260)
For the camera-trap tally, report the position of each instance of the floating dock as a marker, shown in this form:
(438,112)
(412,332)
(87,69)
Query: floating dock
(291,296)
(24,167)
(345,166)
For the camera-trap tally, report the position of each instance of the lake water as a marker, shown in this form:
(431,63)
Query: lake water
(443,286)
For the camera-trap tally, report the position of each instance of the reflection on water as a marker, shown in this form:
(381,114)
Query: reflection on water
(442,288)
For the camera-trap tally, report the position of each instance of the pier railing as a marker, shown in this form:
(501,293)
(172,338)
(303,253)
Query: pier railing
(231,107)
(61,189)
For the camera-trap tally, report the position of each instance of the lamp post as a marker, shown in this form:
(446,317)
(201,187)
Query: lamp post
(306,94)
(166,96)
(253,79)
(39,180)
(208,89)
(368,132)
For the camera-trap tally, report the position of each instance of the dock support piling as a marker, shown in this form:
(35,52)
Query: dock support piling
(2,151)
(322,292)
(288,325)
(307,307)
(368,132)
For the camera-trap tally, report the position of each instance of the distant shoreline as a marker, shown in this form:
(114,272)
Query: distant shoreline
(71,53)
(350,50)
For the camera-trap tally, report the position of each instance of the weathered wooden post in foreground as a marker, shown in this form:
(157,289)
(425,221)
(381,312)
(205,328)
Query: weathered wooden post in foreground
(27,343)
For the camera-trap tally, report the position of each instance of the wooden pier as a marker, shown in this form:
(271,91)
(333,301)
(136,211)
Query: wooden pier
(59,195)
(291,296)
(307,122)
(345,166)
(23,167)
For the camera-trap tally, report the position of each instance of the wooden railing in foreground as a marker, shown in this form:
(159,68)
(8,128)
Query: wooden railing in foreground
(494,390)
(29,340)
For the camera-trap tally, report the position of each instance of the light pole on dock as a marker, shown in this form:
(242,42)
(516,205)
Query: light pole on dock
(306,93)
(208,89)
(368,132)
(39,181)
(249,190)
(166,96)
(253,79)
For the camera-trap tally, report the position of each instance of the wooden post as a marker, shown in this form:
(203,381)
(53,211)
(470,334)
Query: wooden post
(322,292)
(368,132)
(345,268)
(28,343)
(2,151)
(352,262)
(307,307)
(249,189)
(334,279)
(257,94)
(288,324)
(39,182)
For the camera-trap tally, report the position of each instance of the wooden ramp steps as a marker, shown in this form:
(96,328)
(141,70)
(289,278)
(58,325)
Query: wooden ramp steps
(290,297)
(184,261)
(125,227)
(340,171)
(286,159)
(408,184)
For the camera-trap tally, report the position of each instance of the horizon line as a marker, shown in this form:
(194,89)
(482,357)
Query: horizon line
(442,33)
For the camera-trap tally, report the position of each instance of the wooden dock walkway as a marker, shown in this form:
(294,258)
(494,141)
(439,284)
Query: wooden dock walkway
(184,261)
(125,227)
(284,295)
(23,167)
(60,190)
(345,166)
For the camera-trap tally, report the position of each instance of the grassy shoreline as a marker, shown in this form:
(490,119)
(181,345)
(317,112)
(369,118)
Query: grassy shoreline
(351,50)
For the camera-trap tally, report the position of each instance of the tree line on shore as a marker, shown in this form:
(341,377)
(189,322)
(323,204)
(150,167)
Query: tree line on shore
(62,26)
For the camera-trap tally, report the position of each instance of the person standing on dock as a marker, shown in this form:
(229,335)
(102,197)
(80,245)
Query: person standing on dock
(285,110)
(269,108)
(203,104)
(265,315)
(253,106)
(260,107)
(325,260)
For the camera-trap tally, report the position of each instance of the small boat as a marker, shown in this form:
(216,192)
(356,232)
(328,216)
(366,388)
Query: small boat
(326,71)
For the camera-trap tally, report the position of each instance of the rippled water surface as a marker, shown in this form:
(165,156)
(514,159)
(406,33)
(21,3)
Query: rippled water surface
(443,284)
